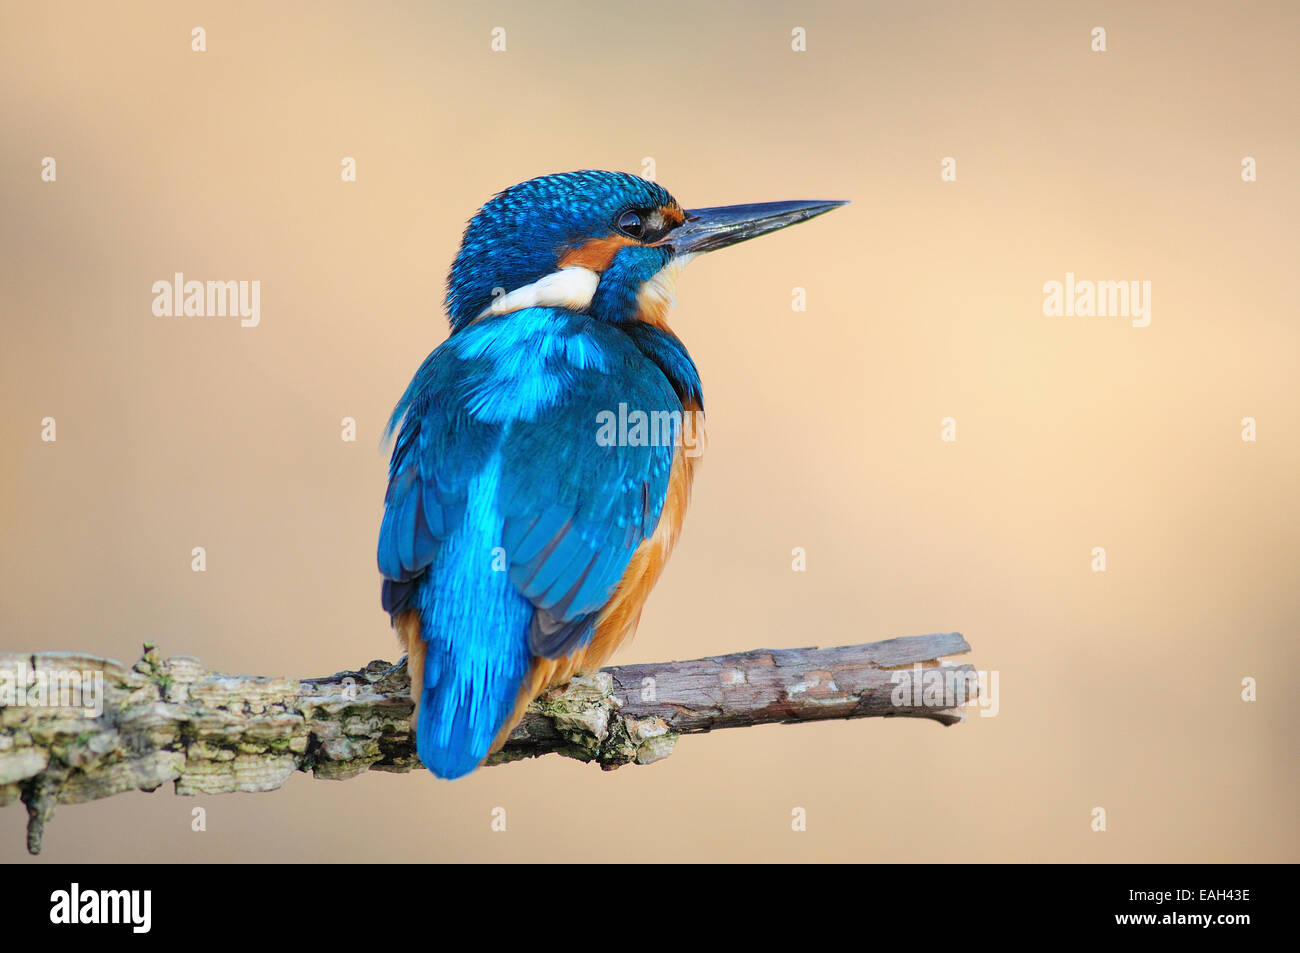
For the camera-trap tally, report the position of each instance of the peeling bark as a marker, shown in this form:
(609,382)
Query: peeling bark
(171,720)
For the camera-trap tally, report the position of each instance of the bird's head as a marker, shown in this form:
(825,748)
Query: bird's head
(608,244)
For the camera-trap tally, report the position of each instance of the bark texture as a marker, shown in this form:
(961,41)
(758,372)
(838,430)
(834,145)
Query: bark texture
(169,720)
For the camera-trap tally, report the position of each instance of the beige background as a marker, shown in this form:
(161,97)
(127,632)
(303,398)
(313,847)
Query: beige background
(1119,690)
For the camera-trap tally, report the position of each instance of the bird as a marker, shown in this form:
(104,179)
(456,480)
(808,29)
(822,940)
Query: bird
(522,531)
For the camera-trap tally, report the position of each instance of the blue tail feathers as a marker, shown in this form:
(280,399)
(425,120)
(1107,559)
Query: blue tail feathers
(475,623)
(464,705)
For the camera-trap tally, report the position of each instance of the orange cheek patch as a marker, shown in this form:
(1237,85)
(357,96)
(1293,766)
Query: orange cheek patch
(673,215)
(597,253)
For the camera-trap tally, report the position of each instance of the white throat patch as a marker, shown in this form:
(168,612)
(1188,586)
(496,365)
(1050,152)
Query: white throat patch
(571,288)
(659,293)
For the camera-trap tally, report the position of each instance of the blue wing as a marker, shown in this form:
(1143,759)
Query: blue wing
(575,507)
(499,452)
(530,394)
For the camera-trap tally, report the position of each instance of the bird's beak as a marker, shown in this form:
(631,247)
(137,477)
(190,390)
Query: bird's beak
(708,229)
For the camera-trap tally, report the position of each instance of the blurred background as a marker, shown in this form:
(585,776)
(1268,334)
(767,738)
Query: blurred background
(1118,689)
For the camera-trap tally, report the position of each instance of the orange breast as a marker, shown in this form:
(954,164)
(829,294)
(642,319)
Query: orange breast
(618,619)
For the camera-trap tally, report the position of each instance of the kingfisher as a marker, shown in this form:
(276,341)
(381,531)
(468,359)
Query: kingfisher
(522,533)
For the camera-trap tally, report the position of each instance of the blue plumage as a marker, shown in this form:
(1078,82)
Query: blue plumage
(497,461)
(514,238)
(509,523)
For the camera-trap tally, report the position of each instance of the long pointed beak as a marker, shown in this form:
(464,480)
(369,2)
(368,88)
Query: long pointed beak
(708,229)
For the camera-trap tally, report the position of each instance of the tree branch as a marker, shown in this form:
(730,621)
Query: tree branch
(171,720)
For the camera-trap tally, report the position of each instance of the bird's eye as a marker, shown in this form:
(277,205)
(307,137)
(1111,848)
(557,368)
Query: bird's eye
(630,224)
